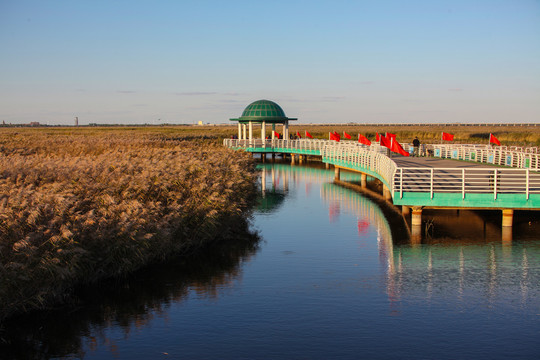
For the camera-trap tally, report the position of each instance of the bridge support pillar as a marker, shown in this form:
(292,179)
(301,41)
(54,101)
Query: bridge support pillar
(507,235)
(327,165)
(386,193)
(363,180)
(337,173)
(416,225)
(293,157)
(507,217)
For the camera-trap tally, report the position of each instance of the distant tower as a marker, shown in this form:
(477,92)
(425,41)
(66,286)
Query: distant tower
(76,121)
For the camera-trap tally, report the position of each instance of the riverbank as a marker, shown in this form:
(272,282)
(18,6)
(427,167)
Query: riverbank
(81,205)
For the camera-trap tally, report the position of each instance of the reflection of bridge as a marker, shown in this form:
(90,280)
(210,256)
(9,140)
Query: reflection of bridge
(426,182)
(462,266)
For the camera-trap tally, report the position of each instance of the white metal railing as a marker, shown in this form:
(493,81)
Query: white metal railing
(417,179)
(315,145)
(467,180)
(517,157)
(371,158)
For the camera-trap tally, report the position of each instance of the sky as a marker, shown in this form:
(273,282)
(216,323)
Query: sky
(335,61)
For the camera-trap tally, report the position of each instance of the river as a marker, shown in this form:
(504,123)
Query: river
(324,273)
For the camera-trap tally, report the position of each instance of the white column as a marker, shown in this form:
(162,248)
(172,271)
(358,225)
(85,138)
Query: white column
(263,131)
(244,131)
(250,131)
(239,131)
(273,131)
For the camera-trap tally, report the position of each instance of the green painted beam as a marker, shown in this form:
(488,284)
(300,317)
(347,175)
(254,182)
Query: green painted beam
(510,201)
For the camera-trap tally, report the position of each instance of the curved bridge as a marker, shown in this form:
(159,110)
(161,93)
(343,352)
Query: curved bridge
(427,182)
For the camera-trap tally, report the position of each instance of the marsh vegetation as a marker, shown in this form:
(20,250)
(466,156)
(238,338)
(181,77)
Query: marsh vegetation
(80,205)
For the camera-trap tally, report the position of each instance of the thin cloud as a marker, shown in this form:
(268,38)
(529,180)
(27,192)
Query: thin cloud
(196,93)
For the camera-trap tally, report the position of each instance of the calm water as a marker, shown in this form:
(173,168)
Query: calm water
(329,275)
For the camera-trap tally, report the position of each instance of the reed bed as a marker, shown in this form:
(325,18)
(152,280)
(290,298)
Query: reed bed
(80,206)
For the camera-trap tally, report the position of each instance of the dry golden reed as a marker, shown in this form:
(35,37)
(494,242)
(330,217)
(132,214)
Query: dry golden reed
(76,207)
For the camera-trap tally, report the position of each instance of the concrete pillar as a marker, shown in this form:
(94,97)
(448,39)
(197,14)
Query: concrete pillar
(250,131)
(273,131)
(327,165)
(416,219)
(244,131)
(337,173)
(507,217)
(293,157)
(416,225)
(507,235)
(263,131)
(363,180)
(239,131)
(405,210)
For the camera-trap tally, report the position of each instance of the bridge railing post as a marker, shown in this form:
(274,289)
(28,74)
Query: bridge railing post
(463,183)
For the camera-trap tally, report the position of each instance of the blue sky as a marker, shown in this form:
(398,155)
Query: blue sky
(323,61)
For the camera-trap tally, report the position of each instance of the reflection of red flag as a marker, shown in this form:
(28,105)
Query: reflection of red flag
(447,137)
(363,140)
(333,211)
(334,136)
(397,148)
(363,226)
(384,141)
(345,135)
(493,140)
(308,135)
(298,134)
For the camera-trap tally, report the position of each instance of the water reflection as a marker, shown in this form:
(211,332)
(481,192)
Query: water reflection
(462,253)
(129,305)
(329,283)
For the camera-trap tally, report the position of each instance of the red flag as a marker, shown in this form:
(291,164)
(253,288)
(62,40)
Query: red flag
(363,140)
(377,137)
(397,148)
(447,137)
(385,141)
(334,136)
(308,135)
(276,134)
(345,135)
(493,139)
(298,134)
(390,136)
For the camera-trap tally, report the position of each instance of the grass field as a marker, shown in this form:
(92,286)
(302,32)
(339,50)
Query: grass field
(79,205)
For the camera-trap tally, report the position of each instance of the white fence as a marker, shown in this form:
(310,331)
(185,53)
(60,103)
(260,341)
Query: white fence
(467,180)
(480,180)
(518,157)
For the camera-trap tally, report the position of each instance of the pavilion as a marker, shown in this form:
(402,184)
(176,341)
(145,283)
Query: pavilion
(262,112)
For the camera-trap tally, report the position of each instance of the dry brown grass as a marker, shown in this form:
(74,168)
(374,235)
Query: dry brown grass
(80,205)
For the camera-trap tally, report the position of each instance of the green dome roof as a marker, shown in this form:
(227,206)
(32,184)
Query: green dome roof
(263,110)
